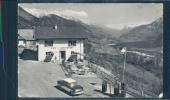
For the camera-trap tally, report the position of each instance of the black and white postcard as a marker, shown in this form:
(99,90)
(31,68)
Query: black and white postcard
(90,50)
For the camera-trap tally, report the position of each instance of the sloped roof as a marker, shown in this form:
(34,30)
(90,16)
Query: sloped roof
(61,32)
(20,37)
(27,34)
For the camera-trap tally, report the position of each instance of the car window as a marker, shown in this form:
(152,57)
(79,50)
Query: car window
(73,84)
(64,82)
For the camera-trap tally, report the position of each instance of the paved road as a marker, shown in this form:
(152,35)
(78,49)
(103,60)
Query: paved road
(39,79)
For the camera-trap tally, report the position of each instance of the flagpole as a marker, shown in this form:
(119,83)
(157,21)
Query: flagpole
(124,66)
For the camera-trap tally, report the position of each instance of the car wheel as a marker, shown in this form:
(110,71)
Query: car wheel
(72,93)
(60,87)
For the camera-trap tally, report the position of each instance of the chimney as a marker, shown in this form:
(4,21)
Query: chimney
(55,27)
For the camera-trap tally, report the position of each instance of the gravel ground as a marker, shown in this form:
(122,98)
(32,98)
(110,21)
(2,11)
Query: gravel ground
(39,79)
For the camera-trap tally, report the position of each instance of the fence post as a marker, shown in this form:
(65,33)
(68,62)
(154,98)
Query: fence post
(123,89)
(104,86)
(141,93)
(116,90)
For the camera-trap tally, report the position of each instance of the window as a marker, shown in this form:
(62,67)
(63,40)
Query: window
(72,43)
(48,53)
(48,43)
(73,53)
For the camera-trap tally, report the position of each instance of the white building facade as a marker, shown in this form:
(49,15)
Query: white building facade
(61,43)
(62,48)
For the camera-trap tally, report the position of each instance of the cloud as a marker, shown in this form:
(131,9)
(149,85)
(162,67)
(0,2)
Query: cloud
(68,13)
(76,14)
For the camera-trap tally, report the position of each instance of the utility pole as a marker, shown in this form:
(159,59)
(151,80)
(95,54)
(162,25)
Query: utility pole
(123,85)
(157,64)
(124,68)
(110,89)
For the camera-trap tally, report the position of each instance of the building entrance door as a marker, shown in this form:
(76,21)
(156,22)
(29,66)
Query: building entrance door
(63,55)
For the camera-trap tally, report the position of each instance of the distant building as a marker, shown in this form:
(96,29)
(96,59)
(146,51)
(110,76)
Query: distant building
(62,41)
(26,38)
(21,41)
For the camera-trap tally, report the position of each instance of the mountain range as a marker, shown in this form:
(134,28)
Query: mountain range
(98,35)
(145,32)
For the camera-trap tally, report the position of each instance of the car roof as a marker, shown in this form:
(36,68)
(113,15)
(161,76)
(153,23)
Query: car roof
(69,80)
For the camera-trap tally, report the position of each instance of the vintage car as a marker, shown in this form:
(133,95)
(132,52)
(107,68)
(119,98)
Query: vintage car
(70,85)
(49,56)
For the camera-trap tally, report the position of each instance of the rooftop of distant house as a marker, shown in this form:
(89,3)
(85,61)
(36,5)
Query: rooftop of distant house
(25,34)
(20,37)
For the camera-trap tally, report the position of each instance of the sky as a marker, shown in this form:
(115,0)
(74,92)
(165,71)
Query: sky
(111,15)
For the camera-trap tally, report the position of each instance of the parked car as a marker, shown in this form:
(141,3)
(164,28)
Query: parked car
(82,72)
(48,57)
(71,86)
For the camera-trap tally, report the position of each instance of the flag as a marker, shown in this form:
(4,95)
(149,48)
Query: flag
(122,50)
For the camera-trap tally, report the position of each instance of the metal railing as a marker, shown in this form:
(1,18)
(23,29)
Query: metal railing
(107,76)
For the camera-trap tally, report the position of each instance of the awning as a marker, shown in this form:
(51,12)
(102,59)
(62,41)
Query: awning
(81,54)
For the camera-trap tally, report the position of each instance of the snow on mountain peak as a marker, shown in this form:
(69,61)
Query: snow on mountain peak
(36,12)
(125,25)
(68,14)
